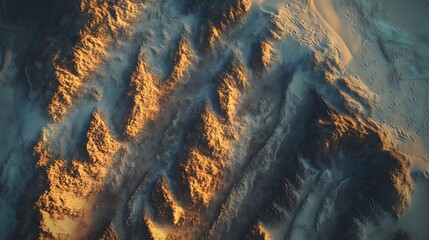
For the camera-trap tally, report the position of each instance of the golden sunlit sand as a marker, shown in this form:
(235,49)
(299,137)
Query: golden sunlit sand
(203,119)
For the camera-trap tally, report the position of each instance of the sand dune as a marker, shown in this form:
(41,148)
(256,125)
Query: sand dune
(197,119)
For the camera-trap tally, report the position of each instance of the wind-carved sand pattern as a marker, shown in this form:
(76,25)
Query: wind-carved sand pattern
(202,119)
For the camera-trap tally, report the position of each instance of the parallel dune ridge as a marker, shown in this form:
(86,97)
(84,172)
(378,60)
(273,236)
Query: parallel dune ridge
(203,119)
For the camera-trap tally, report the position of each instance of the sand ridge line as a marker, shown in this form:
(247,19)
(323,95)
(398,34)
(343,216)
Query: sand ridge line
(342,34)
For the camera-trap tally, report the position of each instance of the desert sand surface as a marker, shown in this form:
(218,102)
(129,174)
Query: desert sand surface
(203,119)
